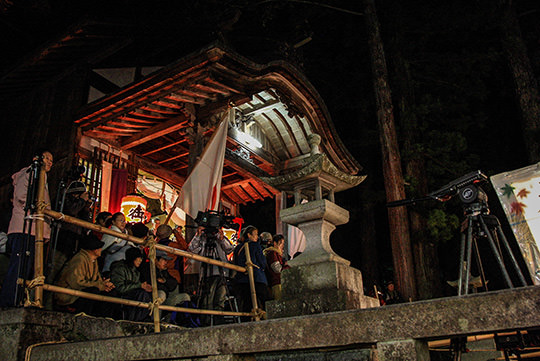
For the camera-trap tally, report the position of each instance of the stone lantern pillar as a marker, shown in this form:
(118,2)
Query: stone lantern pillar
(319,280)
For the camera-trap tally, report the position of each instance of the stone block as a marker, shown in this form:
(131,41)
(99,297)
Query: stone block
(318,288)
(403,350)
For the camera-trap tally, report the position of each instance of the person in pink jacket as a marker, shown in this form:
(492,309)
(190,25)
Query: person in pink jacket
(18,231)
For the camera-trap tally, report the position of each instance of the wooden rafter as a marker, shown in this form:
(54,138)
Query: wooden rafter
(289,131)
(184,98)
(155,132)
(173,158)
(164,147)
(278,135)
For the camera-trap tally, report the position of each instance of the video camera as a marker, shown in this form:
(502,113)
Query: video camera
(458,186)
(212,221)
(466,187)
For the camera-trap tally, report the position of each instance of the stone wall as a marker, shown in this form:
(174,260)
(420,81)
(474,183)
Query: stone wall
(397,332)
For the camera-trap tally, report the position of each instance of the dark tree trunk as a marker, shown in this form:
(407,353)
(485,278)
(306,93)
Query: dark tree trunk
(526,85)
(368,245)
(425,252)
(393,176)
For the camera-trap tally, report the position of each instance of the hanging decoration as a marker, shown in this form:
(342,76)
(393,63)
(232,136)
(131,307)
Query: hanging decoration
(134,208)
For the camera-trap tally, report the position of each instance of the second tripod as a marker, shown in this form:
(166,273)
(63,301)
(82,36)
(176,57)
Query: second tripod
(213,289)
(478,225)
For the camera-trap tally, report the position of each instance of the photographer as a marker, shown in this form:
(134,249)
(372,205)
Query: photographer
(20,236)
(211,244)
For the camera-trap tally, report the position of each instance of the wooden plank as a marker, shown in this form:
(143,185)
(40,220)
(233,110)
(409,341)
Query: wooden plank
(155,132)
(173,157)
(164,147)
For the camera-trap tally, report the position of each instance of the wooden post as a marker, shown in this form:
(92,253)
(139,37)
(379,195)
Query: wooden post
(155,310)
(38,254)
(249,266)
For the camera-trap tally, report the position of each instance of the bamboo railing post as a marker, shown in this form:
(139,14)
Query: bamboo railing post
(155,306)
(249,266)
(38,252)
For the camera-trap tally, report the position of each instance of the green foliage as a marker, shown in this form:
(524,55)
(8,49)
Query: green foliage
(442,226)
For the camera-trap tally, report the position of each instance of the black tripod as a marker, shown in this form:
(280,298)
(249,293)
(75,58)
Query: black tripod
(26,253)
(210,285)
(480,225)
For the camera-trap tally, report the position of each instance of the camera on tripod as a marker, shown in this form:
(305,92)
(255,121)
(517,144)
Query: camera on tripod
(212,221)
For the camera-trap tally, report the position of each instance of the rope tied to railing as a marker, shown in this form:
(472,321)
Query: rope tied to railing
(155,305)
(150,242)
(248,261)
(35,217)
(36,282)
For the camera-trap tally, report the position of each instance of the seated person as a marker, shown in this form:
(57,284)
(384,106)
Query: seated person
(127,279)
(167,286)
(175,264)
(81,273)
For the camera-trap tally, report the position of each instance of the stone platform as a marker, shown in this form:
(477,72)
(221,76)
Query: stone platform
(397,332)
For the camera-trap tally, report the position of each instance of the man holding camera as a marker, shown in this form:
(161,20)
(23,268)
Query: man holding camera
(212,282)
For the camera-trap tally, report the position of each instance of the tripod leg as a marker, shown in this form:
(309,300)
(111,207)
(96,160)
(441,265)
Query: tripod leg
(480,265)
(496,252)
(469,254)
(506,245)
(461,262)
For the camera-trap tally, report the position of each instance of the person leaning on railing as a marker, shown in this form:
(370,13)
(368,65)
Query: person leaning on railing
(250,235)
(81,273)
(18,230)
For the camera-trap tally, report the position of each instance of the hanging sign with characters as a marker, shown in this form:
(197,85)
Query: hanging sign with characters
(519,193)
(134,208)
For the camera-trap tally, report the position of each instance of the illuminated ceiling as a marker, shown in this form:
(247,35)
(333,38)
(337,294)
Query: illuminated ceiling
(155,117)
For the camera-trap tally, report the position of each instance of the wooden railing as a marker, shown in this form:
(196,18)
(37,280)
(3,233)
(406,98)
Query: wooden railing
(155,306)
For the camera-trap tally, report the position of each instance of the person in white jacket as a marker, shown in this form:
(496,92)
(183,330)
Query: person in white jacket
(18,232)
(115,248)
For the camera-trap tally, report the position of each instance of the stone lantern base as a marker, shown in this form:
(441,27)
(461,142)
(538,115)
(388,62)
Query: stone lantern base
(319,280)
(319,288)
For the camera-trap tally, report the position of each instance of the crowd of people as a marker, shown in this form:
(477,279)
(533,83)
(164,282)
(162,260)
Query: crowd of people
(93,262)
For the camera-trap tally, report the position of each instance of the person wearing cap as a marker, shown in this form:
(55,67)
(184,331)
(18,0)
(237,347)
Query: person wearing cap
(19,230)
(167,285)
(81,273)
(126,277)
(175,264)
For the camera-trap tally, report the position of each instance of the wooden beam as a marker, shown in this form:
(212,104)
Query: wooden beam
(162,172)
(155,132)
(164,147)
(173,157)
(260,108)
(184,98)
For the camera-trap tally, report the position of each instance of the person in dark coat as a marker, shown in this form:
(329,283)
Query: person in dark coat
(250,238)
(126,277)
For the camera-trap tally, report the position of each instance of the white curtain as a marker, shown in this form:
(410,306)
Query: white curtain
(156,188)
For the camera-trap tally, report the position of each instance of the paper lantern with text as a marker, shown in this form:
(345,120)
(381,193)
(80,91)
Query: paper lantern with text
(134,208)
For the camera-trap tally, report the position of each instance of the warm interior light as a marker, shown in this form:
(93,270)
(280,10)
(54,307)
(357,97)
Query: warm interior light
(248,140)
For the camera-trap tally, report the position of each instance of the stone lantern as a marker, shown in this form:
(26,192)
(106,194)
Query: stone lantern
(319,280)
